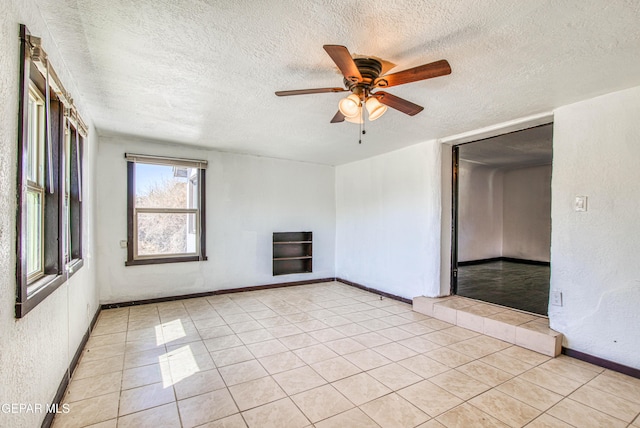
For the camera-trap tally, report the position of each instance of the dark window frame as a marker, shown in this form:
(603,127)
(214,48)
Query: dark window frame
(131,198)
(56,272)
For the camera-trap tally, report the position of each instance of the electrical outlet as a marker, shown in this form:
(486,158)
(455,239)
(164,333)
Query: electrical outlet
(556,298)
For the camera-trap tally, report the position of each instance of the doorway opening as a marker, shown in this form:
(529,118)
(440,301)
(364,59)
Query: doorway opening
(501,219)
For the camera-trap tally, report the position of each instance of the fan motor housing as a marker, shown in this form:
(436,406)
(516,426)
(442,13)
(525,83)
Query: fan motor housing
(369,68)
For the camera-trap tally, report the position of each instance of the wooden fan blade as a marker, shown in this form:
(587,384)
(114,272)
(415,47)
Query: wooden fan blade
(398,103)
(341,56)
(421,72)
(339,117)
(308,91)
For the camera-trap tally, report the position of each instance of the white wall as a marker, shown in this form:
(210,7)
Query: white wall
(36,350)
(504,212)
(248,198)
(388,221)
(480,211)
(594,254)
(526,228)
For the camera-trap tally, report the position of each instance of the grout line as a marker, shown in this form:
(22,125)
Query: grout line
(372,348)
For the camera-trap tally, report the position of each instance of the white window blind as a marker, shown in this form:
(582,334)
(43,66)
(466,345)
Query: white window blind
(161,160)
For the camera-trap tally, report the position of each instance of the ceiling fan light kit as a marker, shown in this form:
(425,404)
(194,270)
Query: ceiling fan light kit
(357,118)
(350,106)
(375,108)
(362,76)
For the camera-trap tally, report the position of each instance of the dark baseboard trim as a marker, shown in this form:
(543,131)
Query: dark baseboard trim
(213,293)
(503,259)
(373,290)
(479,261)
(616,367)
(57,400)
(252,288)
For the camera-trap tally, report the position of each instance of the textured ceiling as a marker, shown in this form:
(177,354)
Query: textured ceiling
(528,147)
(204,72)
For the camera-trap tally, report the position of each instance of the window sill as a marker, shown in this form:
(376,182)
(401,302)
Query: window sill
(74,266)
(46,285)
(142,262)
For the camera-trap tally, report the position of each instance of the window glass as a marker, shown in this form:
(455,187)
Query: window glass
(35,186)
(162,186)
(166,215)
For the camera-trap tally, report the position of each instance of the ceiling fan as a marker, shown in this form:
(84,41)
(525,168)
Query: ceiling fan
(361,76)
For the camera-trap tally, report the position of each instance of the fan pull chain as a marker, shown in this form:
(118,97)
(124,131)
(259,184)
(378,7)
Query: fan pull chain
(362,130)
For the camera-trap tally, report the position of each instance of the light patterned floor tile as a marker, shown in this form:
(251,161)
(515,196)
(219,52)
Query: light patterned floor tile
(344,346)
(226,357)
(448,357)
(393,411)
(98,367)
(371,339)
(547,421)
(466,415)
(165,415)
(145,397)
(607,403)
(89,411)
(281,362)
(394,351)
(571,371)
(198,383)
(367,359)
(145,375)
(623,387)
(430,398)
(321,403)
(527,392)
(93,386)
(579,415)
(395,376)
(361,388)
(513,412)
(485,373)
(506,363)
(424,366)
(335,369)
(328,346)
(354,418)
(242,372)
(207,407)
(281,413)
(459,384)
(233,421)
(420,343)
(298,380)
(315,353)
(558,384)
(256,392)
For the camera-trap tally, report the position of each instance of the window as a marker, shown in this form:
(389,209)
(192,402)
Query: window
(49,180)
(35,185)
(166,209)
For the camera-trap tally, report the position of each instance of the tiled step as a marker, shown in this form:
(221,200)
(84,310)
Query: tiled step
(526,330)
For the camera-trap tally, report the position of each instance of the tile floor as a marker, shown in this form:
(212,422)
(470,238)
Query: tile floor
(325,355)
(507,283)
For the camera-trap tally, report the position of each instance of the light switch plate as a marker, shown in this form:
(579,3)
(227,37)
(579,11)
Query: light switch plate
(556,298)
(123,244)
(581,203)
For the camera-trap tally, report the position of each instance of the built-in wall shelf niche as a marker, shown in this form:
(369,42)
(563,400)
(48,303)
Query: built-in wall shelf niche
(292,252)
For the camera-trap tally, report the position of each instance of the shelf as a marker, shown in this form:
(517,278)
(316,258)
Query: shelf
(292,252)
(275,259)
